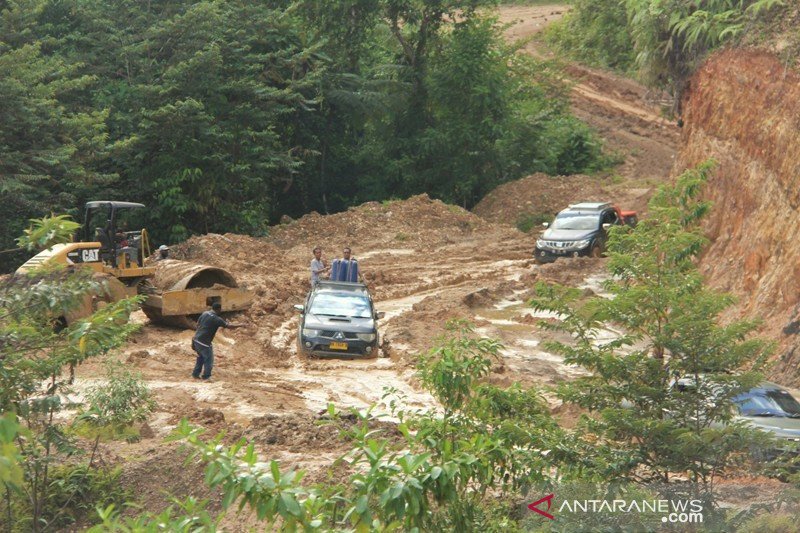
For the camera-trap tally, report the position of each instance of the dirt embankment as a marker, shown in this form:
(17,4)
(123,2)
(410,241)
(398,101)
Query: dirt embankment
(404,248)
(542,196)
(743,109)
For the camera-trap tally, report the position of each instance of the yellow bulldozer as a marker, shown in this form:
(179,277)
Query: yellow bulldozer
(176,291)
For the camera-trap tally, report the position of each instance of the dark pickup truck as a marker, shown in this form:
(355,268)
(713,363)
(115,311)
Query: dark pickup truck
(338,319)
(580,230)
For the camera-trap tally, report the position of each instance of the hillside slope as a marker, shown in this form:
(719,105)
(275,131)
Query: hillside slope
(743,109)
(542,196)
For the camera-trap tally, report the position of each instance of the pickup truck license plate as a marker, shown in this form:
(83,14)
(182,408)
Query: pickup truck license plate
(338,346)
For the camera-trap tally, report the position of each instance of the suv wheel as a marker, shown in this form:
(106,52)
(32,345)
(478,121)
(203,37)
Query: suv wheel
(596,251)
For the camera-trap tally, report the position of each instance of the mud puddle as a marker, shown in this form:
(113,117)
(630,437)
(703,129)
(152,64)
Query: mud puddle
(512,322)
(347,384)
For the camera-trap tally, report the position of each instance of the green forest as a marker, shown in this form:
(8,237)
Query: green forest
(223,116)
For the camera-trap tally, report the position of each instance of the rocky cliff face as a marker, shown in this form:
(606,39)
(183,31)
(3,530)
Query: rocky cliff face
(743,109)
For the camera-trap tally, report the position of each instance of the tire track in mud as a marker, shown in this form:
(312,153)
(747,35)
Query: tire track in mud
(360,383)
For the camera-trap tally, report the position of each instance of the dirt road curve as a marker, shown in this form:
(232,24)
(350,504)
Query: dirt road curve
(627,115)
(425,261)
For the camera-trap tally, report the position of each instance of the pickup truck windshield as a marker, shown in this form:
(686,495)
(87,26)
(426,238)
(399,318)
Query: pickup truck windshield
(345,305)
(576,222)
(776,403)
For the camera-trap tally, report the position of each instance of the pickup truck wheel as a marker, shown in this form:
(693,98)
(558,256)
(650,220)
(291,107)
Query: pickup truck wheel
(596,251)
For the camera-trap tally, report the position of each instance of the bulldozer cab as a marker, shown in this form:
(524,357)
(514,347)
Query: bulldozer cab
(113,225)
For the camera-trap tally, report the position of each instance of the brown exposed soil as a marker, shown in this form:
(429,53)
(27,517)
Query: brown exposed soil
(754,251)
(543,196)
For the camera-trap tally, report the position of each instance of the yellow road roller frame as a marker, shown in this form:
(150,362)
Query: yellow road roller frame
(176,290)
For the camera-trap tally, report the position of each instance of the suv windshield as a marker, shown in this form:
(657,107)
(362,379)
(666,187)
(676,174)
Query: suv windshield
(576,222)
(768,403)
(349,305)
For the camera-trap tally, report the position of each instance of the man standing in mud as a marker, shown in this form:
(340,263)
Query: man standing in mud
(207,326)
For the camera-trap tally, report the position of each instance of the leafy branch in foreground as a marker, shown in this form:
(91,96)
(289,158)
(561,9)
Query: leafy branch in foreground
(34,349)
(45,232)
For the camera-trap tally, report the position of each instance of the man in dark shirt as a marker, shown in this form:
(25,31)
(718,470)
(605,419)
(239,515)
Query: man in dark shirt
(207,326)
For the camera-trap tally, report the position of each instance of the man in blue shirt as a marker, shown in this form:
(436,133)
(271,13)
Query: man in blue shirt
(207,326)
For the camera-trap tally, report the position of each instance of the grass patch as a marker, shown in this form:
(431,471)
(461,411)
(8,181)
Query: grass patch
(109,433)
(527,221)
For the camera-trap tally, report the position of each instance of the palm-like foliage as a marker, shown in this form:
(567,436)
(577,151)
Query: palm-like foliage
(663,39)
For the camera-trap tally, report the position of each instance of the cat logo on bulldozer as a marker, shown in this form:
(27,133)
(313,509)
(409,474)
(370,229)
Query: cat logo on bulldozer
(88,256)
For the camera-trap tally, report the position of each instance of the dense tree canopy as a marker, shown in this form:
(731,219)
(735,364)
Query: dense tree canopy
(224,115)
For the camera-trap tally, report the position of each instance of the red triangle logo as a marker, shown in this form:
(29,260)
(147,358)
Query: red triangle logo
(534,506)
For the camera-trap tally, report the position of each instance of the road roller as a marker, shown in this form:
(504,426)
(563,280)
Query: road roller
(176,291)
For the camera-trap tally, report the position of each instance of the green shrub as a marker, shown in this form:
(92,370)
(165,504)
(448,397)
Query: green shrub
(124,400)
(595,32)
(771,523)
(542,138)
(74,492)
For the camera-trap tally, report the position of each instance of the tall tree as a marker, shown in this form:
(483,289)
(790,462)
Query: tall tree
(47,147)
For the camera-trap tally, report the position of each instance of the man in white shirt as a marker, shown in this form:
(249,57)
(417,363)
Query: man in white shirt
(318,266)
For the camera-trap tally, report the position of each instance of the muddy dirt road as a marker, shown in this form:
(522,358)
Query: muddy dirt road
(627,115)
(425,261)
